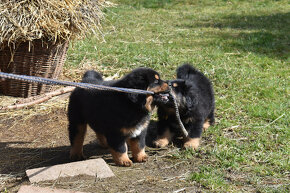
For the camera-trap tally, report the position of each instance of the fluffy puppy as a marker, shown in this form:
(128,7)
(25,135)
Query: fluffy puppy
(116,117)
(195,99)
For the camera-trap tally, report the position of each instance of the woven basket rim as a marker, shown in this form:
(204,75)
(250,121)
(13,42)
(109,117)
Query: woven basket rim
(44,61)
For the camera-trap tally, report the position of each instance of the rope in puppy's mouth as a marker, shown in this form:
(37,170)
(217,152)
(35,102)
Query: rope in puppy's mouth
(184,131)
(165,97)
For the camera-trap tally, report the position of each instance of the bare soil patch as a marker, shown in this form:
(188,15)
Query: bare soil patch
(37,137)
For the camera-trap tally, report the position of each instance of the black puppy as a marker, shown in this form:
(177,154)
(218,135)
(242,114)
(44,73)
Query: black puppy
(195,99)
(115,117)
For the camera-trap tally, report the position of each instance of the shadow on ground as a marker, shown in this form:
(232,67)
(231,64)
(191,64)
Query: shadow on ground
(27,158)
(42,141)
(264,34)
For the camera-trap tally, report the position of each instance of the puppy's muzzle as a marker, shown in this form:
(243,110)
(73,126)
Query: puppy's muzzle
(159,88)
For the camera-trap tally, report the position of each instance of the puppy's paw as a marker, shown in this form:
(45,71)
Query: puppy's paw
(206,125)
(76,156)
(163,142)
(192,143)
(124,162)
(141,157)
(121,159)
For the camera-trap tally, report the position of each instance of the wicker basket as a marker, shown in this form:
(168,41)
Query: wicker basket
(37,58)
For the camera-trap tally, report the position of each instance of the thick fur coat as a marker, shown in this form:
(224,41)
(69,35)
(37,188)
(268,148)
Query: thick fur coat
(195,98)
(117,118)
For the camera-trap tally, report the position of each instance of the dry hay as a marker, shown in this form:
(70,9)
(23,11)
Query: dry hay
(50,20)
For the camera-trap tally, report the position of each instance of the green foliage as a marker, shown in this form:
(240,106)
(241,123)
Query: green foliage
(209,178)
(146,3)
(243,47)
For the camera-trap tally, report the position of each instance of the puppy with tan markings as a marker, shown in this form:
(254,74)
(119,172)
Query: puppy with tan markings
(117,118)
(196,104)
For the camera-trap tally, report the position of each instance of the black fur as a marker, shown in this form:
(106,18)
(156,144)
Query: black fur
(196,104)
(112,114)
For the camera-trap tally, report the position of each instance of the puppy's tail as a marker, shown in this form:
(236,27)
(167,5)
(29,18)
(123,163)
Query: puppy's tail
(186,71)
(92,76)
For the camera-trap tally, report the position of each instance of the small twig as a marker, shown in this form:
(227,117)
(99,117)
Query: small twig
(39,99)
(231,128)
(241,139)
(180,190)
(275,120)
(174,165)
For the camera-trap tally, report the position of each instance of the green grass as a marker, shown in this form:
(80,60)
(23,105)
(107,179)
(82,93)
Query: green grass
(243,47)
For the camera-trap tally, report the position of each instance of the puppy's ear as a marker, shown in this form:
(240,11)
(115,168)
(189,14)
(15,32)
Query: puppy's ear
(177,83)
(191,97)
(137,98)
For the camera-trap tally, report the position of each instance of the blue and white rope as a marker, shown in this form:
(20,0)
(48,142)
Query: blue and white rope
(184,131)
(68,83)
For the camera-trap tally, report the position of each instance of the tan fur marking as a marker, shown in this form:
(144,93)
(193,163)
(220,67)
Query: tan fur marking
(102,140)
(137,130)
(157,77)
(138,154)
(191,143)
(156,89)
(188,120)
(175,85)
(164,87)
(164,140)
(126,131)
(206,125)
(148,104)
(121,159)
(76,152)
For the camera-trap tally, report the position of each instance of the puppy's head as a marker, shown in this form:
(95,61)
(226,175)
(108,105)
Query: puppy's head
(179,91)
(146,79)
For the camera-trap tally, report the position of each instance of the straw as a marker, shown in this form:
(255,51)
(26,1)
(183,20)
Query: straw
(49,20)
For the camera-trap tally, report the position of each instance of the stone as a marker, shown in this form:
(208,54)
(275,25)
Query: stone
(35,189)
(92,167)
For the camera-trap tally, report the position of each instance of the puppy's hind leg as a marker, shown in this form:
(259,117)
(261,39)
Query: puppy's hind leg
(77,134)
(209,121)
(77,127)
(194,135)
(163,139)
(211,118)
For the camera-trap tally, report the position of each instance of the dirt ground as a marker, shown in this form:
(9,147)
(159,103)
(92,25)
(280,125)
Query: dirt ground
(37,137)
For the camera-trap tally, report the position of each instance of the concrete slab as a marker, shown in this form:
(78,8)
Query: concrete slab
(92,167)
(35,189)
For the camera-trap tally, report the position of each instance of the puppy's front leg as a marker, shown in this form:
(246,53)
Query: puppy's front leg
(137,146)
(164,134)
(119,150)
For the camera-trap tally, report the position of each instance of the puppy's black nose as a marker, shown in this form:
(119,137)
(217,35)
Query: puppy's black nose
(168,82)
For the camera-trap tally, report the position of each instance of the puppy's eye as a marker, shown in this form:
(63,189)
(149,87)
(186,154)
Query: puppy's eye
(156,81)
